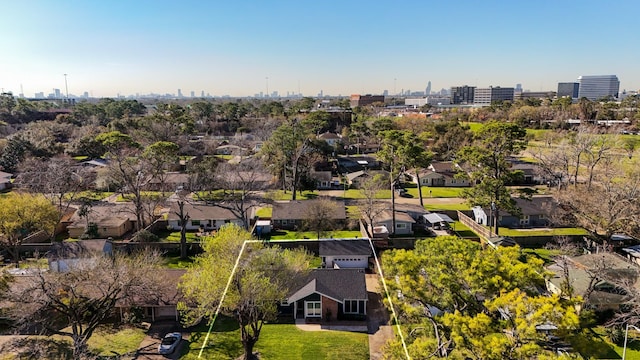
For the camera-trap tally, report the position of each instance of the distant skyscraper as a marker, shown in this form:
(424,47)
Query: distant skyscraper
(518,88)
(57,93)
(594,87)
(428,89)
(569,89)
(385,92)
(179,93)
(193,94)
(202,94)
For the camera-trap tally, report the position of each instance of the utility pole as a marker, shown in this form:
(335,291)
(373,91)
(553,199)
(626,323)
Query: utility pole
(66,87)
(393,196)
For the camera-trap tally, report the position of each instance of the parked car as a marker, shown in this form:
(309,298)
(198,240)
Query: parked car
(169,343)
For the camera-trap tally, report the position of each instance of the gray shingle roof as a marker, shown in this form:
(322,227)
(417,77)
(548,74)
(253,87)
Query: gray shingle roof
(344,247)
(338,284)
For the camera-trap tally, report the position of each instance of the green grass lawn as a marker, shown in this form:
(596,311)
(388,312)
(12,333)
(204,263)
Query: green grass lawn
(280,341)
(146,194)
(292,235)
(280,195)
(107,341)
(174,262)
(175,237)
(436,192)
(352,212)
(594,344)
(436,207)
(462,230)
(264,212)
(357,194)
(93,195)
(543,232)
(546,255)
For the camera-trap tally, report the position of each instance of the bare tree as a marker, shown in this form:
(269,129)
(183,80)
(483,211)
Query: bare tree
(320,217)
(371,207)
(242,186)
(59,179)
(85,295)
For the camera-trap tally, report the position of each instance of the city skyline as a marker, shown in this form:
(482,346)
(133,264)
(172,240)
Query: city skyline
(339,48)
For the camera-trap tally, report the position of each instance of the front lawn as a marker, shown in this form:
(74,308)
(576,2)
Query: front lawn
(280,341)
(153,195)
(436,207)
(108,342)
(357,194)
(436,192)
(294,235)
(174,262)
(281,195)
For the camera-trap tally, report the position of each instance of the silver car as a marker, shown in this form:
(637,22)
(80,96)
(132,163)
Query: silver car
(169,343)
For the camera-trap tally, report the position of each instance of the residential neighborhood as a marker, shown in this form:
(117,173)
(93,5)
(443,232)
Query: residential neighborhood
(256,180)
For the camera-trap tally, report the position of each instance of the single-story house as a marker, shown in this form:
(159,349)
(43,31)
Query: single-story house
(5,180)
(292,214)
(535,213)
(173,181)
(329,295)
(325,180)
(357,178)
(343,254)
(439,174)
(201,216)
(70,254)
(347,164)
(604,269)
(530,173)
(404,222)
(330,138)
(109,219)
(231,150)
(415,211)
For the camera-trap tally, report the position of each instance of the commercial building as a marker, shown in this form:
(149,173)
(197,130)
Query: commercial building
(485,96)
(594,87)
(430,100)
(568,89)
(363,100)
(462,94)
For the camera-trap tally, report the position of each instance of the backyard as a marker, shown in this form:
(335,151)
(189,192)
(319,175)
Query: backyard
(292,235)
(279,341)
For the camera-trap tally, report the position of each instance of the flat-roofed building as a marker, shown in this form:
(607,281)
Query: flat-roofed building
(568,89)
(363,100)
(594,87)
(485,96)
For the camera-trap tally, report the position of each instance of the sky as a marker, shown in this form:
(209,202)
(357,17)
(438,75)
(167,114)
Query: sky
(342,47)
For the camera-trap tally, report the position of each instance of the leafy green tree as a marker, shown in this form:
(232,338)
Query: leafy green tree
(264,276)
(486,165)
(13,153)
(22,214)
(316,121)
(448,138)
(289,154)
(410,152)
(452,297)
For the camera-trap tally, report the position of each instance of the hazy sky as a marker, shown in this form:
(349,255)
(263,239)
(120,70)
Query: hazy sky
(340,47)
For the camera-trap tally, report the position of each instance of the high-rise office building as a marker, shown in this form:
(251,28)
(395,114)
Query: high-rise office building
(193,94)
(462,94)
(568,89)
(595,87)
(428,89)
(179,93)
(485,96)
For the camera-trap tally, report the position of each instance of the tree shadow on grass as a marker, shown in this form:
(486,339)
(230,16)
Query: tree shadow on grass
(591,345)
(38,347)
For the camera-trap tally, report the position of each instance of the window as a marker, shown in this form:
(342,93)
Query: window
(524,220)
(401,226)
(353,306)
(195,222)
(312,309)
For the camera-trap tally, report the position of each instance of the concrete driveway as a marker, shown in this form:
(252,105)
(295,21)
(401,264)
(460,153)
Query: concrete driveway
(148,349)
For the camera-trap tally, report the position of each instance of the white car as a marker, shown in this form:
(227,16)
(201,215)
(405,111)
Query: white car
(169,343)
